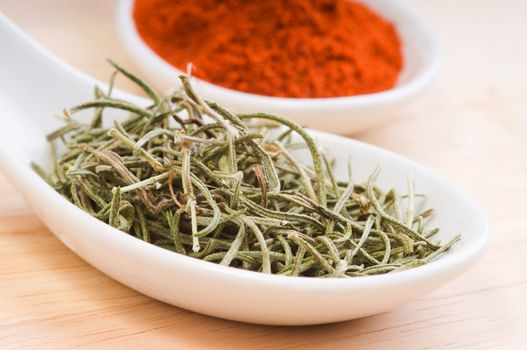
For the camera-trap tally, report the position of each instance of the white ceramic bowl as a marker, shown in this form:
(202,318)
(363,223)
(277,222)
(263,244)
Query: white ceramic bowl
(29,73)
(342,115)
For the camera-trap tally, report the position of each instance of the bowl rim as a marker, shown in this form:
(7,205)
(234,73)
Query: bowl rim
(133,42)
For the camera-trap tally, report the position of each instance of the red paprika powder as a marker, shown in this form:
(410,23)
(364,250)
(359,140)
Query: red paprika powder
(288,48)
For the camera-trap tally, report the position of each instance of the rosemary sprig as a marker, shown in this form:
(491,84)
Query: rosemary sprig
(190,176)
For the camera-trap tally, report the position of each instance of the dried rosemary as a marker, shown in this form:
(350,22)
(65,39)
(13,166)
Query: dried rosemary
(187,175)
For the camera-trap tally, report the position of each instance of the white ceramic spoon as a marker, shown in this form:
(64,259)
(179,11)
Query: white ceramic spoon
(34,85)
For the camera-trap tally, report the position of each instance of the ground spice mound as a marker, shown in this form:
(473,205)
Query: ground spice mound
(288,48)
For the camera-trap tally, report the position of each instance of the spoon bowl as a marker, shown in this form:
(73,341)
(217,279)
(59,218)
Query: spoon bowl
(34,85)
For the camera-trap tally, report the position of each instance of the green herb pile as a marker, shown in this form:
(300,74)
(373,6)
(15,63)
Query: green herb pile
(187,175)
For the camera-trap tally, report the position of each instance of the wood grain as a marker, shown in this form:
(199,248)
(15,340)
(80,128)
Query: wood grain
(470,125)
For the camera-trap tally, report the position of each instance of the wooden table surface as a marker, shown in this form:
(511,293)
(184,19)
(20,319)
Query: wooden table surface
(470,125)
